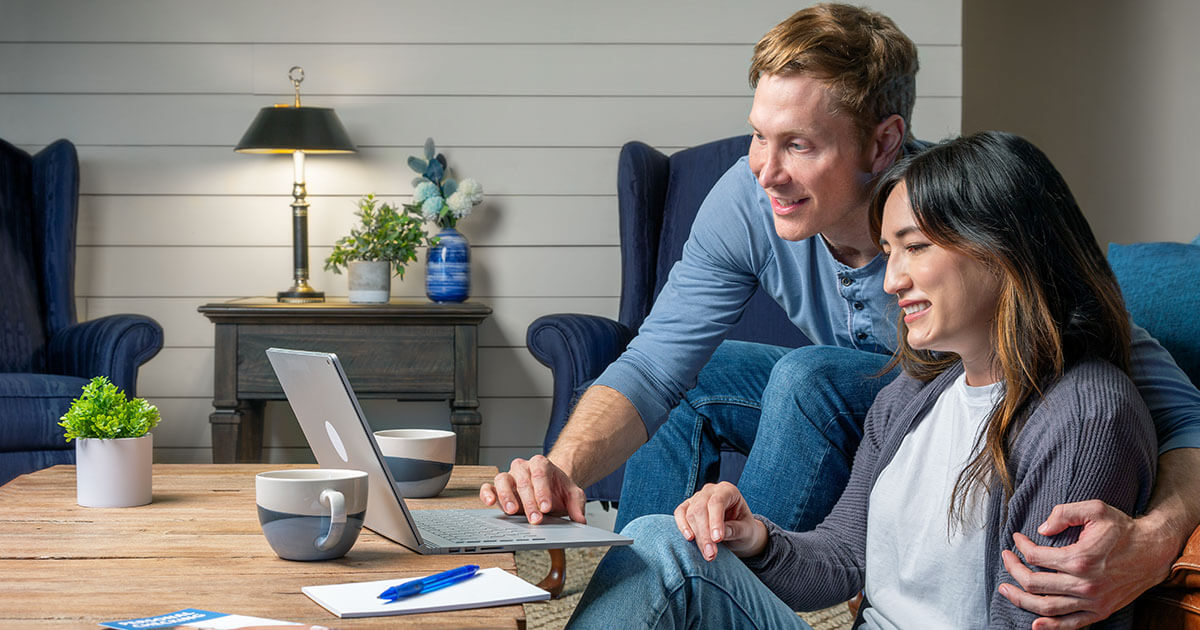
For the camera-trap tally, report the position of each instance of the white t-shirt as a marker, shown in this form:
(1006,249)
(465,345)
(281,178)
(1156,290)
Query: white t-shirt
(923,572)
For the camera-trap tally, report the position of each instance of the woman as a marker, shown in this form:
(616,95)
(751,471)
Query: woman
(1014,343)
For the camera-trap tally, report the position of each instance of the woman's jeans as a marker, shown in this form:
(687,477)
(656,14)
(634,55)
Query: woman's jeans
(797,414)
(662,581)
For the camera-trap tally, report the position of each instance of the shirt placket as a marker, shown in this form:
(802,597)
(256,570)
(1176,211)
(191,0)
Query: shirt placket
(850,288)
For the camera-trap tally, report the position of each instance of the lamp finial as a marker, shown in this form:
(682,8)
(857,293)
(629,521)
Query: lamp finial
(296,74)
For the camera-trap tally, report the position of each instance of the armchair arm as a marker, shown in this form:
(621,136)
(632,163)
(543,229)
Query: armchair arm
(112,346)
(576,348)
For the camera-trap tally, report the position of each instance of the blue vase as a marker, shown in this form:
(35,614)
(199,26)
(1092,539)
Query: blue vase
(448,268)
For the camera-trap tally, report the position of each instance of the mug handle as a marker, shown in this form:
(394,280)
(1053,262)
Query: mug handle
(337,519)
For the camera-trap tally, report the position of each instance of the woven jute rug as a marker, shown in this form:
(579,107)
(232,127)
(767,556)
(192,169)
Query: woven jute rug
(581,563)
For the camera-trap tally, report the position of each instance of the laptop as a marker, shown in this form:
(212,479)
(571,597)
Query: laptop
(340,437)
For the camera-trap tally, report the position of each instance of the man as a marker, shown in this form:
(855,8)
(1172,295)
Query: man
(834,90)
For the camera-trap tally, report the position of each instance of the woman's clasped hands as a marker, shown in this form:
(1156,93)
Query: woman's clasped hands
(719,514)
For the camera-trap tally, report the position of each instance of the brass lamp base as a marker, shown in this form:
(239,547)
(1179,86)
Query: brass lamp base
(300,294)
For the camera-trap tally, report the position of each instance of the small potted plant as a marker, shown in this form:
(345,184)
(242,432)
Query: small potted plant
(386,239)
(443,200)
(114,449)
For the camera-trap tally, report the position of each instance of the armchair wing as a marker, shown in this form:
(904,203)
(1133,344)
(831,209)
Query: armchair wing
(112,346)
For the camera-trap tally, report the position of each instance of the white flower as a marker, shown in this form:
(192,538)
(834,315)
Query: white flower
(459,204)
(470,190)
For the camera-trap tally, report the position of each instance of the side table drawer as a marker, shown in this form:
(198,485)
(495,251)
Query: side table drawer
(377,358)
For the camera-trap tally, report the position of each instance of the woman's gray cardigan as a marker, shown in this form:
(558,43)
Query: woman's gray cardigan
(1090,437)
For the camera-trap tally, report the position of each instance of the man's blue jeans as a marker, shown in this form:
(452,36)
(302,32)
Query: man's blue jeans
(662,581)
(797,414)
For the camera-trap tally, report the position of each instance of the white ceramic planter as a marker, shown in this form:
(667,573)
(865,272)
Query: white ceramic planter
(114,473)
(370,281)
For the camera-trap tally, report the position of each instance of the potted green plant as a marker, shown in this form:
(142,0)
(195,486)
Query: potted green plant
(114,448)
(386,239)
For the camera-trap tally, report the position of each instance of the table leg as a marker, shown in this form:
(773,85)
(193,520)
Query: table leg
(465,422)
(250,439)
(237,433)
(554,580)
(225,423)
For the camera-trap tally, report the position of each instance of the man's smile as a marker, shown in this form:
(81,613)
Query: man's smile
(786,206)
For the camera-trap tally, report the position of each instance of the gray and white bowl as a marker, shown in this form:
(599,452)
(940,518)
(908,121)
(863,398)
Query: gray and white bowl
(420,459)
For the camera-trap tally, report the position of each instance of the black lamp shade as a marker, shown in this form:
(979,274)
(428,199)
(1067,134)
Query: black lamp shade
(283,129)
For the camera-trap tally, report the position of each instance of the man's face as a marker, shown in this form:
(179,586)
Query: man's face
(810,161)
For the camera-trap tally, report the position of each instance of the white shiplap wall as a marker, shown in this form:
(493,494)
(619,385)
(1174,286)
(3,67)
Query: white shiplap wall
(533,99)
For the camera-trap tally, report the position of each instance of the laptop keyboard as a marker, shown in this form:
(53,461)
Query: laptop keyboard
(464,528)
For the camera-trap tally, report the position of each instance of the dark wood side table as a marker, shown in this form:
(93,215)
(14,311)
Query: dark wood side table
(403,350)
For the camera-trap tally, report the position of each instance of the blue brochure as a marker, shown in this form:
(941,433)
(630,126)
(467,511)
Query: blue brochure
(195,618)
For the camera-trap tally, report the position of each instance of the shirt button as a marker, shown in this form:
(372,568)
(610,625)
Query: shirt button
(858,306)
(862,336)
(847,281)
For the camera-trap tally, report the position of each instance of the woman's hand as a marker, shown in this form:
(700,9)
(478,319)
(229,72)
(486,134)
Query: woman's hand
(718,513)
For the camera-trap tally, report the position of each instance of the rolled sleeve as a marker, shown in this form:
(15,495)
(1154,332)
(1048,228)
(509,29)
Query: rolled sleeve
(1173,400)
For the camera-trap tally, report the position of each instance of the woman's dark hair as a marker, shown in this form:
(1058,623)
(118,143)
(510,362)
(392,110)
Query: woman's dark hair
(996,198)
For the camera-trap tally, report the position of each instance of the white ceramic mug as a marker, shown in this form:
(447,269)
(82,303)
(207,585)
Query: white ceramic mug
(311,514)
(420,459)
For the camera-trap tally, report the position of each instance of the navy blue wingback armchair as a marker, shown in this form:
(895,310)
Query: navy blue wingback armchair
(45,355)
(658,196)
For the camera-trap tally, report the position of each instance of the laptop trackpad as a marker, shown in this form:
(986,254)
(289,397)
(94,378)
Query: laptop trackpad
(491,526)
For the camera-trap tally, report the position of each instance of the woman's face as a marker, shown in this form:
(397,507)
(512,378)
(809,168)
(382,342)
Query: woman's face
(948,299)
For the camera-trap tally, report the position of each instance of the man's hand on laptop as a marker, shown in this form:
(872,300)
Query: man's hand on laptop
(535,487)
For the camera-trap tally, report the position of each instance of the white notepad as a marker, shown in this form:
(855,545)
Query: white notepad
(489,587)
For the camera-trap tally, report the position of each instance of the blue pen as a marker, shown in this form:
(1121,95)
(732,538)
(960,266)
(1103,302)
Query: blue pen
(430,583)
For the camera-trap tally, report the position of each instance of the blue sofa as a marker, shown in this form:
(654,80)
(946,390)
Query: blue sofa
(46,356)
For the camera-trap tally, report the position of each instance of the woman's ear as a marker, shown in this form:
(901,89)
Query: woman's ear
(886,142)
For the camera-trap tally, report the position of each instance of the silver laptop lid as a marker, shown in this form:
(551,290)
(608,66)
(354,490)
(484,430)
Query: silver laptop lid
(340,437)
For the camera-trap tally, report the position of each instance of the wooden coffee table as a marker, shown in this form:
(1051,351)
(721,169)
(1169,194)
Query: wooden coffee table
(198,545)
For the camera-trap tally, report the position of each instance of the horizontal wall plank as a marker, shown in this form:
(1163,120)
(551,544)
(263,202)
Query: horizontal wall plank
(514,421)
(375,121)
(511,316)
(936,119)
(218,170)
(518,423)
(674,21)
(508,422)
(177,373)
(538,69)
(382,121)
(513,372)
(188,372)
(184,327)
(220,220)
(249,271)
(126,68)
(409,69)
(184,421)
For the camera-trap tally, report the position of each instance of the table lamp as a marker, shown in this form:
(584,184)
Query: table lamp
(297,130)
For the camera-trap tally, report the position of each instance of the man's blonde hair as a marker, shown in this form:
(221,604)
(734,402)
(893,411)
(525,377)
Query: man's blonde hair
(868,63)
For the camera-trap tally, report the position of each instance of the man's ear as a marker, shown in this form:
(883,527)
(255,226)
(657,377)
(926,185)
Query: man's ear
(886,143)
